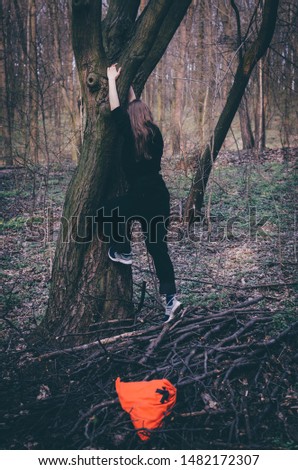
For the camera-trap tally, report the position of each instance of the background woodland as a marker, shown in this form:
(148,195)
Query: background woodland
(42,112)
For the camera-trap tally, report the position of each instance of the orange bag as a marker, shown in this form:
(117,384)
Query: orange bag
(146,402)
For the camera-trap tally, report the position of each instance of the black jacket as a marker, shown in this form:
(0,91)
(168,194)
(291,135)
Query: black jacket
(144,170)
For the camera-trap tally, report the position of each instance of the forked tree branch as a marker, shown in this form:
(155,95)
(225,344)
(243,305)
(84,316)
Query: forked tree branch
(143,38)
(117,26)
(170,24)
(117,7)
(86,32)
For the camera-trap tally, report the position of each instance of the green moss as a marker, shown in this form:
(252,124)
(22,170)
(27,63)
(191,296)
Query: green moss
(288,314)
(8,194)
(9,301)
(16,223)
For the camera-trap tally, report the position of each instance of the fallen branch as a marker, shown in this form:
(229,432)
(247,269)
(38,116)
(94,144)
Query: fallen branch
(90,412)
(226,355)
(104,341)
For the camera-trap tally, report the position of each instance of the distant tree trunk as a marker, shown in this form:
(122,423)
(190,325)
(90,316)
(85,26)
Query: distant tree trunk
(6,154)
(86,285)
(20,90)
(244,70)
(260,114)
(64,71)
(206,111)
(208,78)
(201,70)
(160,101)
(245,125)
(179,73)
(147,95)
(243,111)
(32,83)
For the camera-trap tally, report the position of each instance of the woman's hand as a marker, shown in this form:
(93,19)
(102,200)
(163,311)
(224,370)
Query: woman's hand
(113,73)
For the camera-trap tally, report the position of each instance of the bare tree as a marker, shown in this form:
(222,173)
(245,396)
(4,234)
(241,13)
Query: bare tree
(247,62)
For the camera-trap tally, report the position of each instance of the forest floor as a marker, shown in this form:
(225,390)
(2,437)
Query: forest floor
(232,353)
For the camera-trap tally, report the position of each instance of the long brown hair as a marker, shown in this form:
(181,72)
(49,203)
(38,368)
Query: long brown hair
(142,125)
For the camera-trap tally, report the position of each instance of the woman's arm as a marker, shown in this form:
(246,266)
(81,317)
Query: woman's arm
(113,74)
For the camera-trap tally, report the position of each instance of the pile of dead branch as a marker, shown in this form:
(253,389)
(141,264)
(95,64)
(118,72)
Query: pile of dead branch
(235,381)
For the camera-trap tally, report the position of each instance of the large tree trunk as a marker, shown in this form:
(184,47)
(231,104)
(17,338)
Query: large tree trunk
(243,73)
(86,285)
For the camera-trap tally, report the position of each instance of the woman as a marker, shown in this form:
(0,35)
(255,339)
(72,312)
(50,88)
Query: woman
(147,199)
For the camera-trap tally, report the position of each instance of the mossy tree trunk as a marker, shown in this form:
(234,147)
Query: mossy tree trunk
(247,62)
(86,285)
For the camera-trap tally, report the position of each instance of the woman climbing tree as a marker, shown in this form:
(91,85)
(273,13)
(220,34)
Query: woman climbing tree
(147,198)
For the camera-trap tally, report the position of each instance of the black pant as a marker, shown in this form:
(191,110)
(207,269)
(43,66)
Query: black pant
(149,203)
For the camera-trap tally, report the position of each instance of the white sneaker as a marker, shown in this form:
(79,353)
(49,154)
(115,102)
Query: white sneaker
(124,258)
(172,310)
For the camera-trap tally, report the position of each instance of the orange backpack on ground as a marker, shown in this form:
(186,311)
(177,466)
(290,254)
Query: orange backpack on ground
(146,402)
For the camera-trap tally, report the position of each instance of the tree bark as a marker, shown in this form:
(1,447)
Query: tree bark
(260,135)
(6,154)
(243,73)
(160,96)
(86,285)
(177,106)
(208,94)
(245,125)
(177,10)
(66,88)
(200,70)
(32,83)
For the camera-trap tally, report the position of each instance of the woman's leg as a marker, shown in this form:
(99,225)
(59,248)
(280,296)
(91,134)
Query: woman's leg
(115,228)
(156,210)
(157,247)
